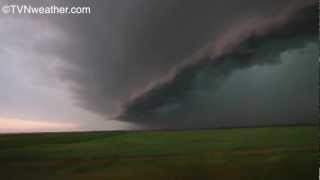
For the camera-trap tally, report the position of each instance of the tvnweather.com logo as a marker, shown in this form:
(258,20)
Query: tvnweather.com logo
(45,10)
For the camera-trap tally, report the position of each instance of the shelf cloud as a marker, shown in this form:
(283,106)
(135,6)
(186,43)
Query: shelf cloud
(177,63)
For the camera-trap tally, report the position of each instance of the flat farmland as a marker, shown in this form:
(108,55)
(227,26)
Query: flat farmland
(270,153)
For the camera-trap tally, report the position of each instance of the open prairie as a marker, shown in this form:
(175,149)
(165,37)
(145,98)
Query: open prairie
(270,153)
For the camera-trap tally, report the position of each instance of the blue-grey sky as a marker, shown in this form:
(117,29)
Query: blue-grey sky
(159,64)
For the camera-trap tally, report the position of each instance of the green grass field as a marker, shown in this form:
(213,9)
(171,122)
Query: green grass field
(278,153)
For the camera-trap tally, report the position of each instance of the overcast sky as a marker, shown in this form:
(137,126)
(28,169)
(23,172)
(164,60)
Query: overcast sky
(136,64)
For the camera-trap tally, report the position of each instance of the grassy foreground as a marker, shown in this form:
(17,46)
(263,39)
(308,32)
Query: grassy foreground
(279,153)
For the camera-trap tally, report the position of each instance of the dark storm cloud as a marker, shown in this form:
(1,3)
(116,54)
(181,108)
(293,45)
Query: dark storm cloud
(176,101)
(129,57)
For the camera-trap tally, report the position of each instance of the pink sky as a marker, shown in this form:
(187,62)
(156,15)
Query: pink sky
(11,125)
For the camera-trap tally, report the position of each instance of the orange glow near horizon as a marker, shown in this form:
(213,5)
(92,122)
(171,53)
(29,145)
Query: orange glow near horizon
(13,125)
